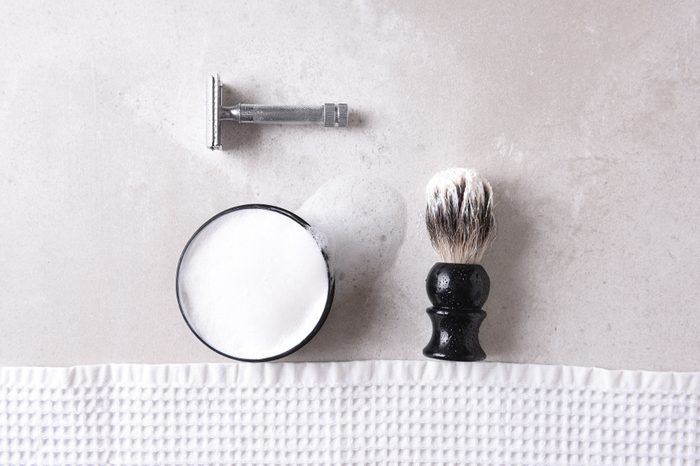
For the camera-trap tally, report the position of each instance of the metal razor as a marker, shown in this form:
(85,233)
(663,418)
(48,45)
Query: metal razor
(330,115)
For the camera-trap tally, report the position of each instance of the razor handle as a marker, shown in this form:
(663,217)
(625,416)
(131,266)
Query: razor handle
(457,292)
(326,114)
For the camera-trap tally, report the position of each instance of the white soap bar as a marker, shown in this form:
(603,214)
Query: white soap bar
(253,283)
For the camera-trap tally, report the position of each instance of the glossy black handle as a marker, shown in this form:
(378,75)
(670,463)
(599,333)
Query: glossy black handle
(457,292)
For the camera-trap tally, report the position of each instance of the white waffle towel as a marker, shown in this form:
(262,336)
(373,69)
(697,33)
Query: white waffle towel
(368,412)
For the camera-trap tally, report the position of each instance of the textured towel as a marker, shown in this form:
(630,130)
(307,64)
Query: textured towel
(373,412)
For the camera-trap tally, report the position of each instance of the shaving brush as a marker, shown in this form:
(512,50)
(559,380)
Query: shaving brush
(461,225)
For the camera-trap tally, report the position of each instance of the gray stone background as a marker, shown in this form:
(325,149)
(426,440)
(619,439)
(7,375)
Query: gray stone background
(584,116)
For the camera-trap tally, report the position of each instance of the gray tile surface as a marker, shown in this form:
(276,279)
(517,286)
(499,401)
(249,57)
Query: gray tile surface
(584,116)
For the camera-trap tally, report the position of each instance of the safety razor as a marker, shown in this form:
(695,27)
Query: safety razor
(330,115)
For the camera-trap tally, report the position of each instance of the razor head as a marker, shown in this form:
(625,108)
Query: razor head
(214,112)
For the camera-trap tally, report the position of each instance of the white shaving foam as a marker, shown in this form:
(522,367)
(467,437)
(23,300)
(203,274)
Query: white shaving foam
(253,283)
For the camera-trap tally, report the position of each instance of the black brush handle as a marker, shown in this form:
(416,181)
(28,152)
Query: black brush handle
(457,292)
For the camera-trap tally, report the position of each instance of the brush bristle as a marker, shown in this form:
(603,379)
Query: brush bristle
(459,215)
